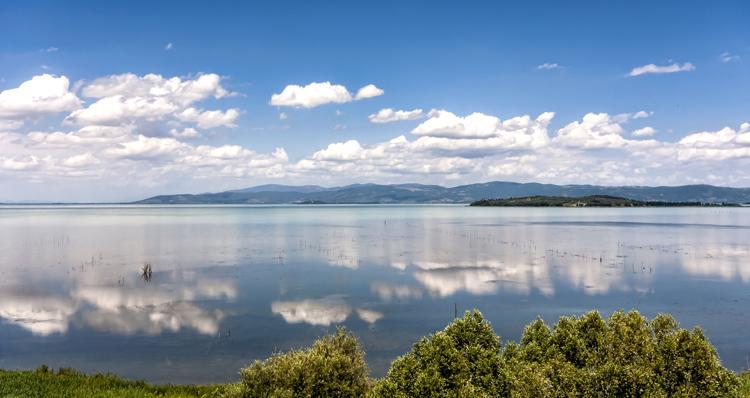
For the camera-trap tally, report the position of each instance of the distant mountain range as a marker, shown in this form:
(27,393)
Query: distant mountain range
(418,193)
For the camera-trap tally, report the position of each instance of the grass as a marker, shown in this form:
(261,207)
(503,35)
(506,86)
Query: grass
(745,384)
(66,382)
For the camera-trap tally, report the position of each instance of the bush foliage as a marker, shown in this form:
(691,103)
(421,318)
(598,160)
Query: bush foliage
(623,356)
(333,367)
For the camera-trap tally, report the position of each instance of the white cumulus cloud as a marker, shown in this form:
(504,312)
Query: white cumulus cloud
(145,147)
(387,115)
(43,94)
(320,93)
(128,97)
(442,123)
(311,95)
(644,132)
(348,150)
(176,89)
(727,143)
(516,131)
(653,68)
(184,133)
(210,119)
(368,91)
(598,131)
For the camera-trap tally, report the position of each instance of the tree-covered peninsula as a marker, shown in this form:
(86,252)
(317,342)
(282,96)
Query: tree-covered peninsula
(585,201)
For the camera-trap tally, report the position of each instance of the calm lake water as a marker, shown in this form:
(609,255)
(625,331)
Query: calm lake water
(233,284)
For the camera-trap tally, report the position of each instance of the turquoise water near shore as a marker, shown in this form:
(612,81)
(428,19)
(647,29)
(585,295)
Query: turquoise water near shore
(235,283)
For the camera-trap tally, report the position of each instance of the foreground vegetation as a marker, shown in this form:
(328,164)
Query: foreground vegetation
(625,355)
(65,382)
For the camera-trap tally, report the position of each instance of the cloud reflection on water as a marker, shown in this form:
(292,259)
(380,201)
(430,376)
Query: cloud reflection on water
(40,314)
(391,291)
(153,309)
(317,312)
(727,262)
(322,312)
(121,309)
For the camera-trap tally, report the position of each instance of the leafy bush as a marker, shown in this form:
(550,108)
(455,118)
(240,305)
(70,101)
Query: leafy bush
(625,355)
(462,360)
(333,367)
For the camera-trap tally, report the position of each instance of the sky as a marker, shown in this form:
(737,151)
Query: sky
(117,101)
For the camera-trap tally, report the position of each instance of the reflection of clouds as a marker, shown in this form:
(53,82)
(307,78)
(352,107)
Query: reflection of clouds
(590,254)
(725,261)
(340,248)
(446,282)
(319,312)
(40,314)
(592,279)
(482,277)
(149,309)
(389,291)
(155,319)
(114,297)
(154,309)
(369,316)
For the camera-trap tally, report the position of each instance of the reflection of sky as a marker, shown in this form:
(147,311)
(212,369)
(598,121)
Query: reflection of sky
(321,312)
(231,284)
(154,308)
(40,314)
(123,308)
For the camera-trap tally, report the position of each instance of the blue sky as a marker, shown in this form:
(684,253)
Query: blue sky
(456,57)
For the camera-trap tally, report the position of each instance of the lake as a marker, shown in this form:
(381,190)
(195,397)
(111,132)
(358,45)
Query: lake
(231,284)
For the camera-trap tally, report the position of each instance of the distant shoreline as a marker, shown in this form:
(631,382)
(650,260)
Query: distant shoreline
(595,201)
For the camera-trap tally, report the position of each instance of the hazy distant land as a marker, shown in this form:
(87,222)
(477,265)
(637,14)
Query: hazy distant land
(586,201)
(418,193)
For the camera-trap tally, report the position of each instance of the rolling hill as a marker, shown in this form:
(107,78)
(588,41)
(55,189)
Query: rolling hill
(418,193)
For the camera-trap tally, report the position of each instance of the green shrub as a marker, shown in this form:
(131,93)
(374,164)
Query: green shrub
(462,360)
(623,356)
(333,367)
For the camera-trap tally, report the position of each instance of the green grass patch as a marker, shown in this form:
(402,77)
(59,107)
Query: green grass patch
(745,384)
(65,382)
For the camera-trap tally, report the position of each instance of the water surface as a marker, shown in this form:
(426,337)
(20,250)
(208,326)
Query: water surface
(235,283)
